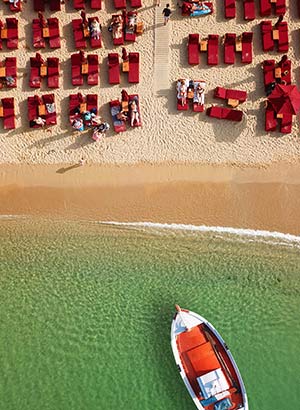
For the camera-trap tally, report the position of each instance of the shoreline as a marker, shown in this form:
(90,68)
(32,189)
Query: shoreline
(249,198)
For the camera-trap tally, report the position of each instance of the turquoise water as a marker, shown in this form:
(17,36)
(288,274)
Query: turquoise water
(85,314)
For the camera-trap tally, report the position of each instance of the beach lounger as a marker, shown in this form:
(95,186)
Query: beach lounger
(36,109)
(224,113)
(39,5)
(79,4)
(270,118)
(50,109)
(96,4)
(268,67)
(198,102)
(229,48)
(285,67)
(8,77)
(37,34)
(213,49)
(12,33)
(113,68)
(13,7)
(115,109)
(230,95)
(75,100)
(230,9)
(93,69)
(94,42)
(249,9)
(120,4)
(53,72)
(267,35)
(135,4)
(135,97)
(92,103)
(118,40)
(54,37)
(265,8)
(193,49)
(247,38)
(182,100)
(8,107)
(79,38)
(280,7)
(76,63)
(35,71)
(134,68)
(283,41)
(130,32)
(54,5)
(286,123)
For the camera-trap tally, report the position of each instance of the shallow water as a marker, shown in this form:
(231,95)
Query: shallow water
(86,309)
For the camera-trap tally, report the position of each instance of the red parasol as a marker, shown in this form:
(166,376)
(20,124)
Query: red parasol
(285,99)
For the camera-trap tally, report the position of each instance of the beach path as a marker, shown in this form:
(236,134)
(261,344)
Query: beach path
(161,53)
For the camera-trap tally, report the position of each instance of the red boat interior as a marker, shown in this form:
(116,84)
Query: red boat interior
(200,353)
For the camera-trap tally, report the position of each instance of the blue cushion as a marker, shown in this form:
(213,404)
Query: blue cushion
(224,404)
(208,401)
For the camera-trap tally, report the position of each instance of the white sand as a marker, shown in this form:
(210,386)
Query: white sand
(166,135)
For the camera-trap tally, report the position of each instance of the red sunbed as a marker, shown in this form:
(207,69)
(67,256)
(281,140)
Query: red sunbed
(134,68)
(8,113)
(224,113)
(35,74)
(229,8)
(39,5)
(270,118)
(130,34)
(74,106)
(249,9)
(92,103)
(283,41)
(113,68)
(16,7)
(265,7)
(93,69)
(79,4)
(229,48)
(227,93)
(54,5)
(12,33)
(266,35)
(80,41)
(135,4)
(268,67)
(96,4)
(286,70)
(193,49)
(54,37)
(37,34)
(120,40)
(247,47)
(94,42)
(135,97)
(50,115)
(33,111)
(115,108)
(11,72)
(286,123)
(53,72)
(76,62)
(212,49)
(120,4)
(198,106)
(280,7)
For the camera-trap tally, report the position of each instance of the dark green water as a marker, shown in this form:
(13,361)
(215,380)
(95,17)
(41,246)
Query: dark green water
(85,314)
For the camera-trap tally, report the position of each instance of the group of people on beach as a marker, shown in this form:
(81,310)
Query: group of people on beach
(89,119)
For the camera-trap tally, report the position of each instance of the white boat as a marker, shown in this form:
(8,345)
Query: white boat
(206,365)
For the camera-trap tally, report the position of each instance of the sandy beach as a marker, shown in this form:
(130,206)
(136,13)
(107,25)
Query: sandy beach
(166,135)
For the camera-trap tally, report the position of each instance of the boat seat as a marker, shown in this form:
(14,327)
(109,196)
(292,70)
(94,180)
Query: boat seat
(191,339)
(203,358)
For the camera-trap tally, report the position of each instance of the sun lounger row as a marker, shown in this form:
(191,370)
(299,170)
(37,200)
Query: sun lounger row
(94,4)
(121,4)
(84,66)
(87,29)
(39,5)
(8,72)
(125,111)
(41,110)
(190,91)
(276,73)
(196,9)
(279,7)
(9,33)
(83,111)
(248,6)
(40,68)
(232,45)
(125,27)
(7,113)
(275,35)
(273,120)
(45,30)
(130,65)
(14,5)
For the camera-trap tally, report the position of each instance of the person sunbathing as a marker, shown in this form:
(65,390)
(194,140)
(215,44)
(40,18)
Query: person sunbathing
(132,22)
(134,113)
(182,91)
(117,27)
(39,121)
(77,124)
(122,116)
(95,29)
(199,94)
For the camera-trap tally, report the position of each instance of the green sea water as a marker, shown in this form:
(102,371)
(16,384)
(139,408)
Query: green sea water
(86,309)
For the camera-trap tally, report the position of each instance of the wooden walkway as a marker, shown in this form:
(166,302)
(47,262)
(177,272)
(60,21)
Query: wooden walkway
(161,52)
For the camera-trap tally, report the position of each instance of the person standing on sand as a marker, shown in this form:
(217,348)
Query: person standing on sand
(157,3)
(167,13)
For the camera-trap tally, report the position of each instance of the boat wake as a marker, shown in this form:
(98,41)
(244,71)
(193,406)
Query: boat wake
(274,238)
